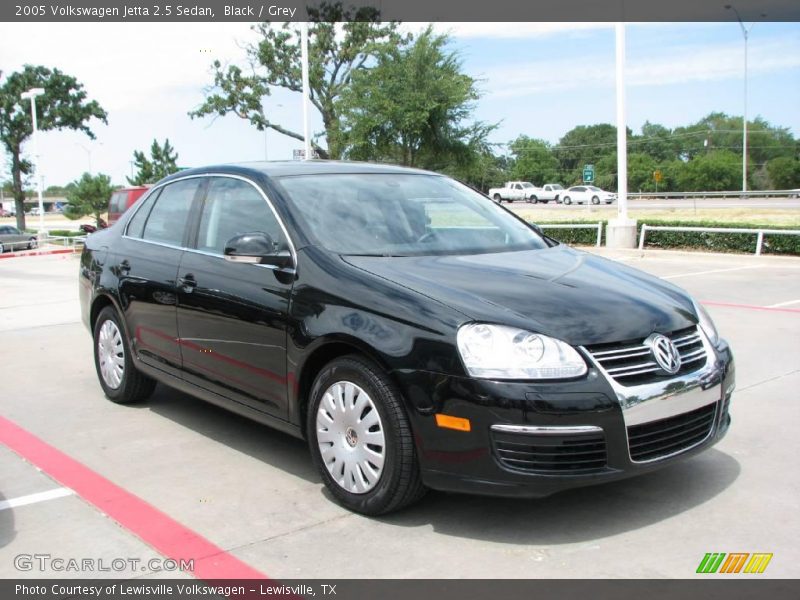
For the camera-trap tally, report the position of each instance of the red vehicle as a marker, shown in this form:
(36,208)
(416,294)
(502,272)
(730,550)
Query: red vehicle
(122,200)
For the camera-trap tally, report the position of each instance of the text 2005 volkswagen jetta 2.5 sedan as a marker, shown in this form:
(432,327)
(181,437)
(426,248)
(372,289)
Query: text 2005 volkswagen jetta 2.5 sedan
(414,332)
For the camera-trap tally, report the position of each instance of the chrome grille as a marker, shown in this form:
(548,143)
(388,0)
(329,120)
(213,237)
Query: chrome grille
(632,362)
(665,437)
(571,454)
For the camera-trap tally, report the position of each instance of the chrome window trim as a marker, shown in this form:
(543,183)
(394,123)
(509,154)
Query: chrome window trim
(546,430)
(221,256)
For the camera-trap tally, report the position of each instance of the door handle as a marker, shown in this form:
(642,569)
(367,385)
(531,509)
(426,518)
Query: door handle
(187,283)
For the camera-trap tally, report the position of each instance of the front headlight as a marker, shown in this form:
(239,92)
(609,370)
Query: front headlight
(706,324)
(500,352)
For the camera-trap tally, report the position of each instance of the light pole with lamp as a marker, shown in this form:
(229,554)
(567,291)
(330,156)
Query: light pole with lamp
(88,153)
(746,33)
(31,95)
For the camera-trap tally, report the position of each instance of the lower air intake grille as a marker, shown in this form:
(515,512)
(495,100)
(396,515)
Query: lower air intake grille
(659,439)
(568,454)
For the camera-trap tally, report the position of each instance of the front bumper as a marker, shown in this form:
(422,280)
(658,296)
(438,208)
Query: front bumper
(517,419)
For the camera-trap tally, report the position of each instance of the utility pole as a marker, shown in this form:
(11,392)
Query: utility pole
(31,95)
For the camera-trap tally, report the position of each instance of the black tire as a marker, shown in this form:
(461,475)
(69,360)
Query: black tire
(533,199)
(595,200)
(134,386)
(31,243)
(399,484)
(567,200)
(497,198)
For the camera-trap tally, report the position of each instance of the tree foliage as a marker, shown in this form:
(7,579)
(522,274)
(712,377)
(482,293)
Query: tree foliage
(534,161)
(163,161)
(64,105)
(342,41)
(413,108)
(89,195)
(784,172)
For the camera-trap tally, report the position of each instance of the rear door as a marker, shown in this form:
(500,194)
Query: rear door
(232,317)
(146,262)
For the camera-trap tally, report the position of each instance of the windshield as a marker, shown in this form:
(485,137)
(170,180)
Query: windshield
(527,185)
(403,215)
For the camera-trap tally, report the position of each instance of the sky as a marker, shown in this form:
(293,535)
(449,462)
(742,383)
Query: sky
(537,79)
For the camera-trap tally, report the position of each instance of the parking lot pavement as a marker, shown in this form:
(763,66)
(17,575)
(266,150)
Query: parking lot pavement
(254,493)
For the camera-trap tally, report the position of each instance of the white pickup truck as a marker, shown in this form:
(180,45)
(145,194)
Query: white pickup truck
(512,190)
(546,193)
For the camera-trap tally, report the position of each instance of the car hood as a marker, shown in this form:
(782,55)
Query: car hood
(560,292)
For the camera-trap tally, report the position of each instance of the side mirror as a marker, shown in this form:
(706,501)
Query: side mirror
(256,248)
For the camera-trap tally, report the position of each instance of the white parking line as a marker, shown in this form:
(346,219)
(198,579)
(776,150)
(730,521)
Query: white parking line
(709,272)
(34,498)
(779,304)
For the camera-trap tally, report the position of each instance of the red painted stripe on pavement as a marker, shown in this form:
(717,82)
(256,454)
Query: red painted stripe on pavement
(152,526)
(37,253)
(751,306)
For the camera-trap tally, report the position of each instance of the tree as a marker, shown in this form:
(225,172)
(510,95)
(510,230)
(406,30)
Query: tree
(162,162)
(585,144)
(89,195)
(63,105)
(413,108)
(534,161)
(341,43)
(784,173)
(716,171)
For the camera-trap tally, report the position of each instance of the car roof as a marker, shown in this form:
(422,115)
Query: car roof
(289,168)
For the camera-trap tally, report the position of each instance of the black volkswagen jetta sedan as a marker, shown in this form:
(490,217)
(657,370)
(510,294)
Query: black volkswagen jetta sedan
(417,334)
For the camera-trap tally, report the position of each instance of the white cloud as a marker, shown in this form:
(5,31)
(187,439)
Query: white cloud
(683,64)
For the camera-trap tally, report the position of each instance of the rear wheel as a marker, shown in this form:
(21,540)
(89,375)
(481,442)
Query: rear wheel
(31,243)
(533,199)
(360,438)
(595,200)
(497,198)
(120,380)
(567,200)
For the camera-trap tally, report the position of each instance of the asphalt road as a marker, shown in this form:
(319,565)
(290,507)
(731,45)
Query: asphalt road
(254,494)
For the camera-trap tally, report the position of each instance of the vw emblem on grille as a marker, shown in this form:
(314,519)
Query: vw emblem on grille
(665,353)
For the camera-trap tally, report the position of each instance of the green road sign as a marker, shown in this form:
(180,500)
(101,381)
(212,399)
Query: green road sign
(588,173)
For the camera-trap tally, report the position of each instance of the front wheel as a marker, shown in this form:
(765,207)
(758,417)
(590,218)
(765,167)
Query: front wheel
(121,381)
(360,438)
(567,200)
(31,243)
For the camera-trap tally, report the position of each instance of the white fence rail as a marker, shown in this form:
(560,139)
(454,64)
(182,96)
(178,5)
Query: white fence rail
(598,226)
(730,194)
(759,233)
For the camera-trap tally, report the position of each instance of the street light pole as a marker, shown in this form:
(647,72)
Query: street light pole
(31,95)
(304,71)
(746,34)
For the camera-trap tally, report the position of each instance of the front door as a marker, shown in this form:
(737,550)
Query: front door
(232,316)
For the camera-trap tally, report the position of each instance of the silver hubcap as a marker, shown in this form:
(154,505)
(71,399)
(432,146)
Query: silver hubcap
(350,437)
(111,354)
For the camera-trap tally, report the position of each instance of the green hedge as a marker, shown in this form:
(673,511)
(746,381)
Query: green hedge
(576,237)
(712,242)
(65,233)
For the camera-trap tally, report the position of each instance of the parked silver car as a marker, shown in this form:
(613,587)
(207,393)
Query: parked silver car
(12,239)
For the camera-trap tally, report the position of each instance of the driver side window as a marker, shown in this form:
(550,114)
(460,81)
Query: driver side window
(233,207)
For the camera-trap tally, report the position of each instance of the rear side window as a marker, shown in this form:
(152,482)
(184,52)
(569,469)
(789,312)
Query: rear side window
(234,207)
(167,220)
(136,224)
